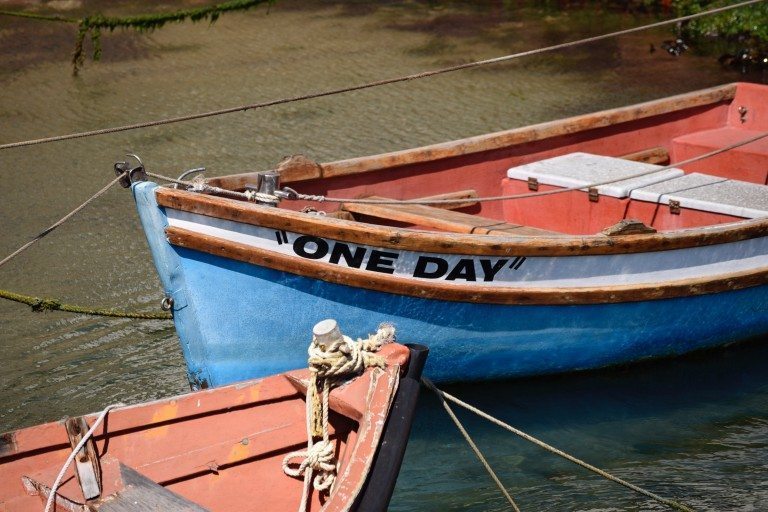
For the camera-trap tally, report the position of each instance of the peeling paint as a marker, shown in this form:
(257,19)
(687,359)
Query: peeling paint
(164,413)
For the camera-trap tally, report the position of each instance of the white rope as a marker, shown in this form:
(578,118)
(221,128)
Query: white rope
(328,364)
(86,437)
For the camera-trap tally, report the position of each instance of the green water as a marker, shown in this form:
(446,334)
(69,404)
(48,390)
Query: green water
(691,427)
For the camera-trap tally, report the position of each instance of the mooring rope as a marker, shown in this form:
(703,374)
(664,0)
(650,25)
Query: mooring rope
(330,362)
(48,304)
(446,396)
(378,83)
(78,447)
(324,199)
(59,222)
(472,444)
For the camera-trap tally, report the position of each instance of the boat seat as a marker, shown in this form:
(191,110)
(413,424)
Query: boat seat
(439,218)
(698,200)
(140,494)
(577,211)
(745,163)
(124,490)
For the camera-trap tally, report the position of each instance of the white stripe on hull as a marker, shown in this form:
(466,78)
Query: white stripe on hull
(493,271)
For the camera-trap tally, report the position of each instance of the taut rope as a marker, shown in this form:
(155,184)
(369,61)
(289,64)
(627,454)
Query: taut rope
(330,363)
(472,444)
(445,396)
(415,76)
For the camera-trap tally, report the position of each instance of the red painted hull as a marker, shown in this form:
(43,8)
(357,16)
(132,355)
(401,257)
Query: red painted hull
(221,449)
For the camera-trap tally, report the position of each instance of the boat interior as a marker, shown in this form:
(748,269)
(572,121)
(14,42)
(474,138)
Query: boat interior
(642,150)
(217,449)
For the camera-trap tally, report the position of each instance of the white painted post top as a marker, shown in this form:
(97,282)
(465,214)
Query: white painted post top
(327,331)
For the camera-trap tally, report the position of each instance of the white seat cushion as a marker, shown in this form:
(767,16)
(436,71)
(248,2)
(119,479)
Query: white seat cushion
(583,169)
(710,194)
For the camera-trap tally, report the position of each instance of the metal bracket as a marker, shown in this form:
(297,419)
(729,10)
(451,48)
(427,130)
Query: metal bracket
(674,207)
(533,184)
(267,183)
(743,114)
(594,196)
(130,174)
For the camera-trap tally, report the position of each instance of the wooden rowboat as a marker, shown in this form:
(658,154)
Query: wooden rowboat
(580,274)
(221,449)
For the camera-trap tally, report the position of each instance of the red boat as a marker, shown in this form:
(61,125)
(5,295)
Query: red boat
(221,449)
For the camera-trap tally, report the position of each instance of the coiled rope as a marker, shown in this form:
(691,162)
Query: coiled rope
(378,83)
(443,396)
(330,363)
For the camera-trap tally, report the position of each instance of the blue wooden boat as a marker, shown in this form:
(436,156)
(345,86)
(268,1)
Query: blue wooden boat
(622,247)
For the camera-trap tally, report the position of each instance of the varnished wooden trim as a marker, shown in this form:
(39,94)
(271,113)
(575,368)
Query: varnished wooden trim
(463,293)
(455,243)
(532,133)
(502,139)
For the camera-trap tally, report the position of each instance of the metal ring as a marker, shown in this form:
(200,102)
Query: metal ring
(166,304)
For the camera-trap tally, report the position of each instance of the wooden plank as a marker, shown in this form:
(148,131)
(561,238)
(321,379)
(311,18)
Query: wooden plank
(470,195)
(456,243)
(141,494)
(465,293)
(657,156)
(87,460)
(437,218)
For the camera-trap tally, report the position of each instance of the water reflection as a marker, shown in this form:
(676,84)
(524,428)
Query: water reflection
(691,428)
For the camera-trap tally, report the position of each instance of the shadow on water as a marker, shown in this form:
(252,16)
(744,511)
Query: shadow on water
(691,428)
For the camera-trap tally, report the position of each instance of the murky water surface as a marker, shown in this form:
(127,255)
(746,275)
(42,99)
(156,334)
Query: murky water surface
(694,428)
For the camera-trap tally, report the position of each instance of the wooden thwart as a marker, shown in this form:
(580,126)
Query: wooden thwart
(470,195)
(438,218)
(141,494)
(656,156)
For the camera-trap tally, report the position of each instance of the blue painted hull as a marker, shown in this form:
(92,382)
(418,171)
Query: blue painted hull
(237,321)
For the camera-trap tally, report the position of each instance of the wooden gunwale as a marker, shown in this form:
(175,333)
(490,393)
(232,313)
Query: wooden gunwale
(496,140)
(456,243)
(465,293)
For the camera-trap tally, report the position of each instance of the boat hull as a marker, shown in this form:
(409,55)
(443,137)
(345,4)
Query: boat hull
(238,320)
(201,450)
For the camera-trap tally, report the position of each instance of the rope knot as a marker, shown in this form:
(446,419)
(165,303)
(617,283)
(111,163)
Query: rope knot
(319,459)
(261,197)
(345,357)
(45,305)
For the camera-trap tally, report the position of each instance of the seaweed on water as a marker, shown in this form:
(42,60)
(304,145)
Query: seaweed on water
(91,26)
